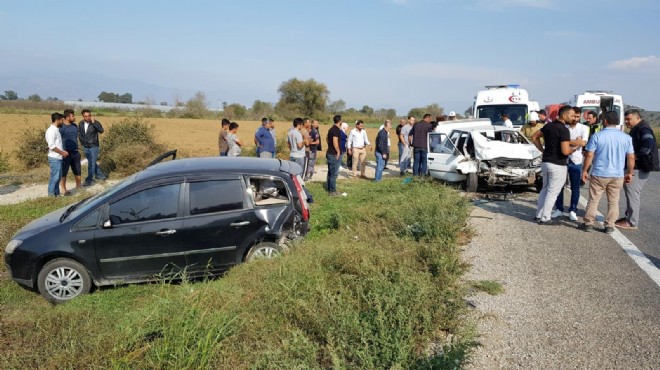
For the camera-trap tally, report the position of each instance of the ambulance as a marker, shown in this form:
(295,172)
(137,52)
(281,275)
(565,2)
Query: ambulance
(498,99)
(599,101)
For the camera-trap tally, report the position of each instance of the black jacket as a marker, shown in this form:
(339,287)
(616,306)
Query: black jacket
(646,150)
(91,137)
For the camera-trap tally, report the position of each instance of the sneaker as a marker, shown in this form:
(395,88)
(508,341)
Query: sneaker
(625,225)
(556,213)
(609,229)
(585,227)
(572,216)
(622,219)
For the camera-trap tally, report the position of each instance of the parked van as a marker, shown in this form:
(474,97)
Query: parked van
(499,99)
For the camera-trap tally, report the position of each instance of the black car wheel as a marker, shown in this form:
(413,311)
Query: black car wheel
(263,250)
(471,182)
(62,279)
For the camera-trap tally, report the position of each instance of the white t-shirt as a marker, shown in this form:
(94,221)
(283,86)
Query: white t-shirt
(357,139)
(54,140)
(582,131)
(508,123)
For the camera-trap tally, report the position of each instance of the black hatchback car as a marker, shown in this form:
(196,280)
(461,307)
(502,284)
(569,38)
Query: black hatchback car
(198,215)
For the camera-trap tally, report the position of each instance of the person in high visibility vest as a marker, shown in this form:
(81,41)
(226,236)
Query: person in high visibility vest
(592,122)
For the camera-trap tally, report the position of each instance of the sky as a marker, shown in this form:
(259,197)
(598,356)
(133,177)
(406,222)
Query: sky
(387,54)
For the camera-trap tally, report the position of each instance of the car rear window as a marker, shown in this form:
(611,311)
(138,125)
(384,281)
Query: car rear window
(215,196)
(268,191)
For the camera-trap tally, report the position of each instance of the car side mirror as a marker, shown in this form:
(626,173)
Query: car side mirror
(107,224)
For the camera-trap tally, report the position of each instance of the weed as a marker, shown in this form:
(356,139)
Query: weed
(32,149)
(129,146)
(489,286)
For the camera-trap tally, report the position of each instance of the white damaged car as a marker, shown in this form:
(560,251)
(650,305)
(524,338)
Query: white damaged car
(489,155)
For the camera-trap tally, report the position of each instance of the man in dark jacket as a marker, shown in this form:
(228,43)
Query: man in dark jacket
(646,160)
(382,149)
(88,134)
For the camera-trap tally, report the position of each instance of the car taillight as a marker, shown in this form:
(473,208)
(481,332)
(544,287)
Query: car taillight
(302,196)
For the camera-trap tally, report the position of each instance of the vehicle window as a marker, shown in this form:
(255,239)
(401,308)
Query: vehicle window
(450,144)
(267,191)
(517,113)
(435,143)
(150,204)
(215,196)
(91,220)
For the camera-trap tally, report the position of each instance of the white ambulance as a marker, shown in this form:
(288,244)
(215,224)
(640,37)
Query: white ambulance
(598,101)
(499,99)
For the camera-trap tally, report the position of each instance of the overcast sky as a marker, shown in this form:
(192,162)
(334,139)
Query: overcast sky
(382,53)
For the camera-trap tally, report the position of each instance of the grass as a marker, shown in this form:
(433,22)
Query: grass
(488,286)
(376,284)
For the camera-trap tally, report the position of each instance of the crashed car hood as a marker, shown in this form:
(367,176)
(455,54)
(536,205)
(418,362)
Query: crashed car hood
(486,149)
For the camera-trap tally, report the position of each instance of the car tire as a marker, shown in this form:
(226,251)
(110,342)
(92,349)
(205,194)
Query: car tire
(263,250)
(471,182)
(63,279)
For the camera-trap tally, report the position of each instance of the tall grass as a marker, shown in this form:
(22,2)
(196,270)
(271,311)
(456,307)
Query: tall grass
(375,285)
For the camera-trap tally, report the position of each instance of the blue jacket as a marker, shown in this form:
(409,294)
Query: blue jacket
(265,140)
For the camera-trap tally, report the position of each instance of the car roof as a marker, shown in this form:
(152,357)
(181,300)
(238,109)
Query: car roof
(217,164)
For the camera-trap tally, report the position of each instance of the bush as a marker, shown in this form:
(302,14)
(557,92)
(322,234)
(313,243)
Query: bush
(4,164)
(129,146)
(32,149)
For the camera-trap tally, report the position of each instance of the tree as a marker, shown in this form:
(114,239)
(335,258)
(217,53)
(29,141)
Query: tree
(307,98)
(163,103)
(386,113)
(432,109)
(34,97)
(367,110)
(196,107)
(235,111)
(110,97)
(125,98)
(10,95)
(336,107)
(261,109)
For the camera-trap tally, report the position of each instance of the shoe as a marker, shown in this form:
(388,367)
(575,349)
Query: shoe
(622,219)
(625,225)
(585,227)
(609,229)
(572,216)
(537,219)
(556,213)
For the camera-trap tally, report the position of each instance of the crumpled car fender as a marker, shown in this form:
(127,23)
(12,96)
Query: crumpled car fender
(467,166)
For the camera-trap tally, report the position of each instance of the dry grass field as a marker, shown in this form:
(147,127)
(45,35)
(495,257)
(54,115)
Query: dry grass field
(192,137)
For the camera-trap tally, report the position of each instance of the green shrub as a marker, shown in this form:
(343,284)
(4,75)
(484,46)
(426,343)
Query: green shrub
(129,146)
(4,163)
(32,149)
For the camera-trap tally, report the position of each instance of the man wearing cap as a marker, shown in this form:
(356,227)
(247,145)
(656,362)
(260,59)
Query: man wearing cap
(543,117)
(531,126)
(452,116)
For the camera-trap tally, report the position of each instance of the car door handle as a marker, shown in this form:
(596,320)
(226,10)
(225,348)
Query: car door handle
(242,223)
(430,159)
(166,232)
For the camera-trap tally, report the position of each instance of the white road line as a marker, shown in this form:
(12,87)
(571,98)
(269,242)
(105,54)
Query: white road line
(631,249)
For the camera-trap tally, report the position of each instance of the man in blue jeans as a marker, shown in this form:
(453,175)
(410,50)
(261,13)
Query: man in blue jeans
(55,154)
(419,137)
(88,134)
(579,137)
(382,149)
(332,156)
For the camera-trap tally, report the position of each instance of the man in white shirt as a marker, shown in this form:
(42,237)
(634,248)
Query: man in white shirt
(406,156)
(55,154)
(579,137)
(506,120)
(356,145)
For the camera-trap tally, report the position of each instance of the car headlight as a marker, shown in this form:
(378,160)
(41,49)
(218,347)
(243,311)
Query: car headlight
(537,161)
(12,245)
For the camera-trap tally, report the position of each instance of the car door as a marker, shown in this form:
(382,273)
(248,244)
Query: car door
(140,236)
(443,156)
(219,223)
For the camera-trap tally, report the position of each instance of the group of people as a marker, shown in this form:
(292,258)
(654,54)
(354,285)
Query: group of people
(303,141)
(62,137)
(600,153)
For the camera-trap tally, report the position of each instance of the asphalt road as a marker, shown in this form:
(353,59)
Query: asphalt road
(647,236)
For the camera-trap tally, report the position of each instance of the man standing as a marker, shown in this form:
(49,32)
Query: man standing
(264,140)
(382,149)
(579,137)
(555,154)
(452,116)
(609,151)
(304,130)
(356,145)
(400,144)
(272,132)
(531,126)
(314,147)
(257,147)
(543,117)
(69,133)
(418,139)
(646,160)
(592,123)
(332,155)
(55,154)
(223,146)
(406,156)
(88,134)
(296,144)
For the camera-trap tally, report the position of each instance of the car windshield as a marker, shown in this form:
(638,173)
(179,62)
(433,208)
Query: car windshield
(92,202)
(517,113)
